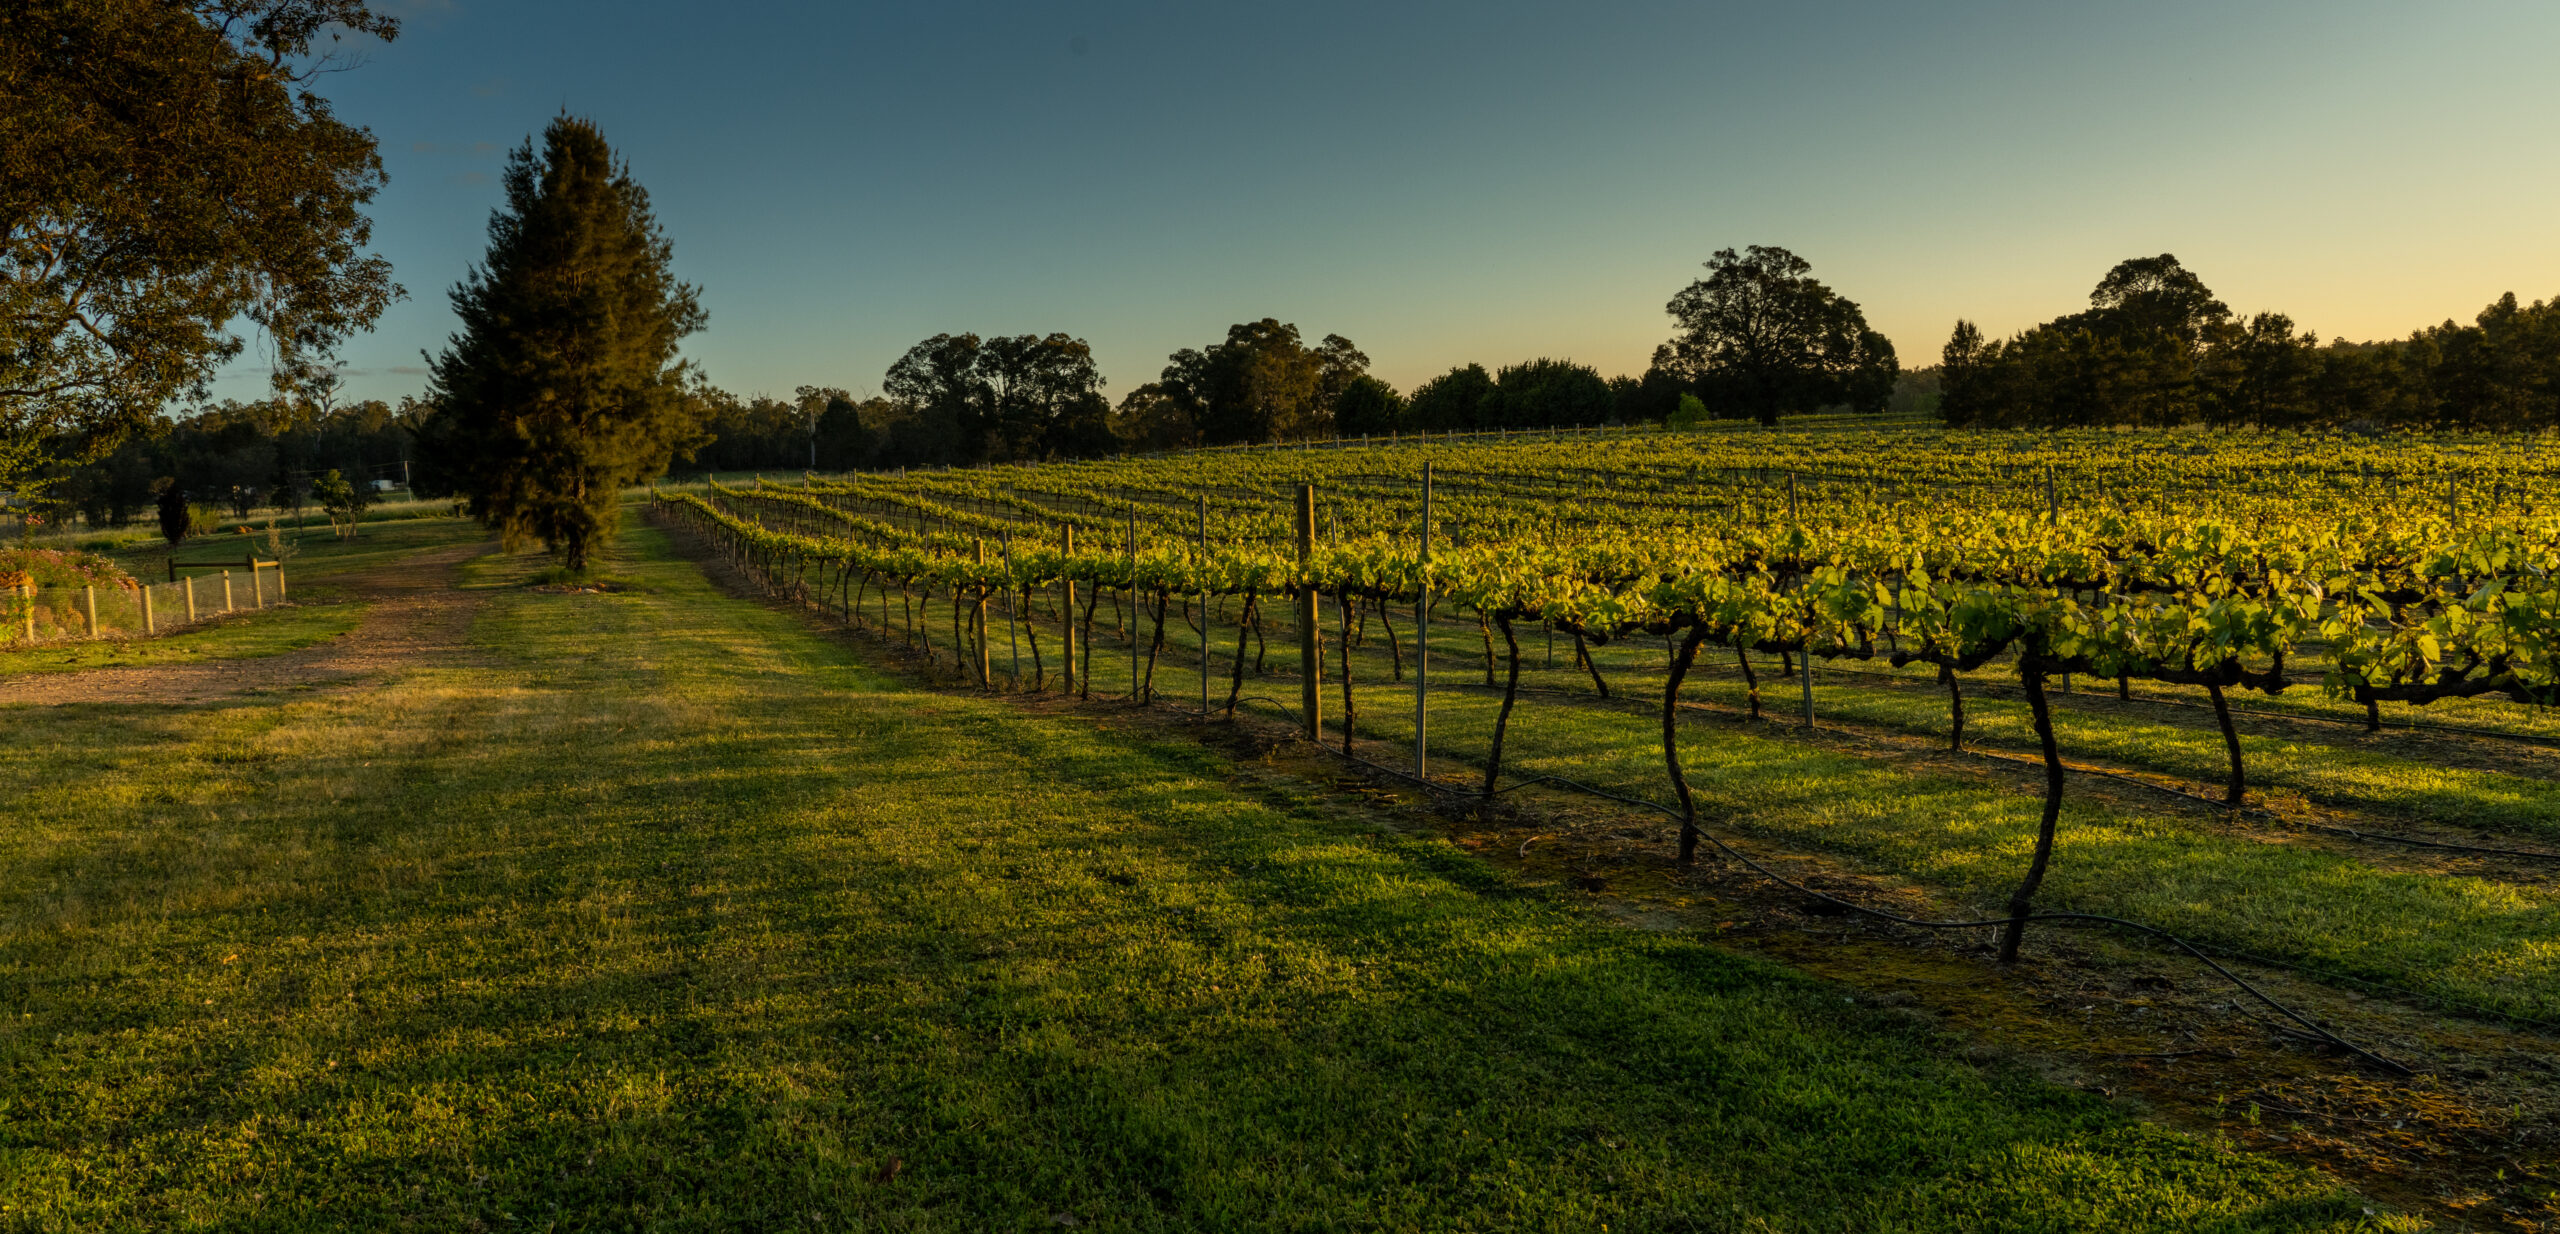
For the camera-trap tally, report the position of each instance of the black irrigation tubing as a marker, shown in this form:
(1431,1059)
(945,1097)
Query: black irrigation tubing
(2334,977)
(2219,804)
(2323,1034)
(2376,837)
(2156,701)
(2198,951)
(2316,972)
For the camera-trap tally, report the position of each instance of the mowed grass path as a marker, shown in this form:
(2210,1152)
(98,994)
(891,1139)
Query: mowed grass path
(314,575)
(670,915)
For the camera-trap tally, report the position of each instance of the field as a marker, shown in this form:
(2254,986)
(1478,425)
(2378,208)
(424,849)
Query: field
(788,883)
(2370,617)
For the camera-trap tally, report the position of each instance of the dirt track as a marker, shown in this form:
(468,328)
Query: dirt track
(415,614)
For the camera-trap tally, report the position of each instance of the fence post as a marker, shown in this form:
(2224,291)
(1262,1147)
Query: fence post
(1133,604)
(1310,659)
(1067,586)
(986,678)
(1422,643)
(1204,611)
(29,587)
(1012,607)
(257,584)
(226,591)
(149,626)
(191,599)
(89,608)
(1805,657)
(279,582)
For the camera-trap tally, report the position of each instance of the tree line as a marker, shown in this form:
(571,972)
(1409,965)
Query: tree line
(1758,337)
(173,180)
(238,457)
(2156,348)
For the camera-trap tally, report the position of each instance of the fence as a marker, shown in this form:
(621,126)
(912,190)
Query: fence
(135,610)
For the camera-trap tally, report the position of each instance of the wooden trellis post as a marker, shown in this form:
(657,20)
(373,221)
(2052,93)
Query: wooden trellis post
(985,679)
(1310,660)
(1422,644)
(1204,608)
(1067,617)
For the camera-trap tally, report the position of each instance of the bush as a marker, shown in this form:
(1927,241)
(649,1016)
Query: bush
(176,521)
(344,502)
(48,568)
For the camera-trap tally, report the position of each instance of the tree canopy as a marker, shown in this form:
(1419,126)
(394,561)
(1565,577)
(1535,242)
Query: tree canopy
(1263,383)
(2155,347)
(564,385)
(961,398)
(166,170)
(1759,337)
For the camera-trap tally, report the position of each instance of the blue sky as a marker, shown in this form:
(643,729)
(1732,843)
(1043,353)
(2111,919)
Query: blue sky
(1446,183)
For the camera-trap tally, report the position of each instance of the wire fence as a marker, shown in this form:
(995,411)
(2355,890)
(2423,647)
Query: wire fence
(31,615)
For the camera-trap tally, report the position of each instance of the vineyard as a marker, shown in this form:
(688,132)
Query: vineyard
(2345,648)
(1545,608)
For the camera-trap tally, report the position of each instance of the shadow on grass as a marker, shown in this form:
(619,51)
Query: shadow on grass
(668,914)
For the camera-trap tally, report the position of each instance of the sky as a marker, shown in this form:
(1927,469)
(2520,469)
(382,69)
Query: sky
(1483,182)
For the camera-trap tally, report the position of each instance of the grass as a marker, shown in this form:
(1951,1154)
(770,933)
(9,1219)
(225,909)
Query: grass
(141,537)
(318,614)
(2330,770)
(319,555)
(243,636)
(665,913)
(2481,941)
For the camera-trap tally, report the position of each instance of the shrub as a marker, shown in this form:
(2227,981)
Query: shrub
(49,568)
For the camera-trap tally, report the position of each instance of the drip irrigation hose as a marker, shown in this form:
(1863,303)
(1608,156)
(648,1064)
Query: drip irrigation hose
(2149,700)
(2199,953)
(2321,1033)
(2372,836)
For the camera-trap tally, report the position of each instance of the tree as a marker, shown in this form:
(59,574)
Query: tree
(1654,397)
(944,402)
(1368,405)
(814,402)
(166,169)
(1027,396)
(1450,401)
(344,501)
(1543,393)
(1262,383)
(176,521)
(1760,337)
(2260,372)
(564,385)
(2155,296)
(1149,418)
(1044,397)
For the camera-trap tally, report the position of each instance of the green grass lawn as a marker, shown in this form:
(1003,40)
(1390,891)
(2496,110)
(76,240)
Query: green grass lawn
(667,914)
(2481,941)
(318,614)
(242,636)
(318,556)
(2324,764)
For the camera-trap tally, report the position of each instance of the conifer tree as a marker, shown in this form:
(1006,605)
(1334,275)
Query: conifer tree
(564,386)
